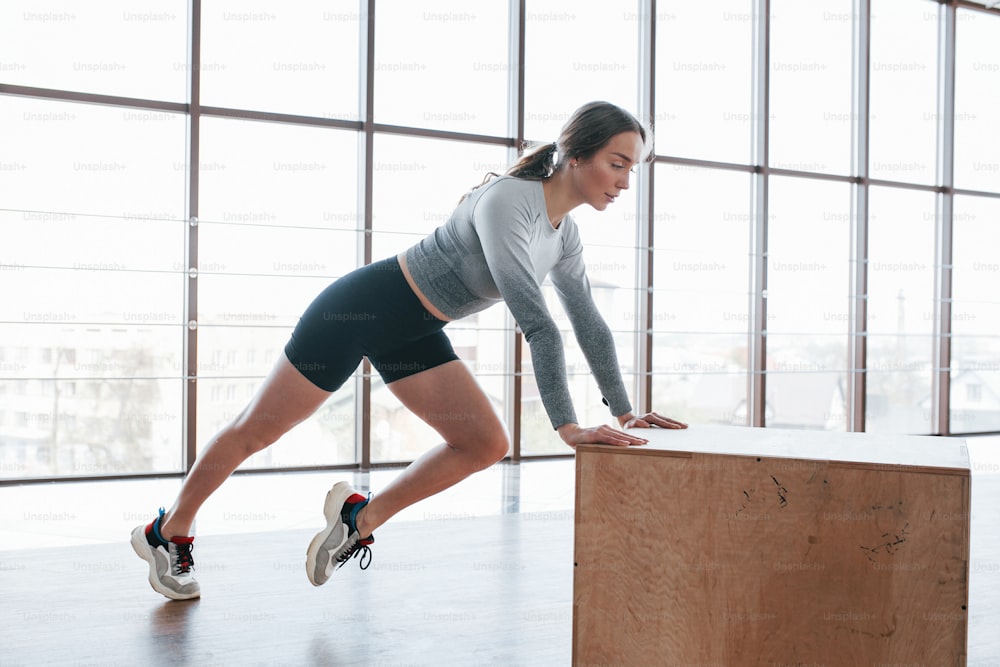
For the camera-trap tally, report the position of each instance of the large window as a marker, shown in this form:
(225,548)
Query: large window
(816,227)
(700,317)
(443,65)
(92,306)
(113,48)
(278,221)
(807,304)
(575,53)
(704,76)
(297,58)
(410,199)
(901,310)
(903,79)
(975,365)
(810,81)
(977,102)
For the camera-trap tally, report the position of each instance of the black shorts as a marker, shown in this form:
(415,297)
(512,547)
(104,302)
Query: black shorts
(371,312)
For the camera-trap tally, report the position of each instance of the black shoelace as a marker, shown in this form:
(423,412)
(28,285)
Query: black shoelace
(356,550)
(184,561)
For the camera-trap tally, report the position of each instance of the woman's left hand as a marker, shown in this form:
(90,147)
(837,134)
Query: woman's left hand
(649,420)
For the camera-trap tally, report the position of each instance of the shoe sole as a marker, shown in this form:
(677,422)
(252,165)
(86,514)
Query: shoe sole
(335,499)
(143,550)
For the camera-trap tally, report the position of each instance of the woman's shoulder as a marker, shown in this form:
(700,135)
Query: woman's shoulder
(510,184)
(509,192)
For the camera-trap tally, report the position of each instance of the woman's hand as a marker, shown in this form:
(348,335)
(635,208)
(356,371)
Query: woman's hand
(573,435)
(648,420)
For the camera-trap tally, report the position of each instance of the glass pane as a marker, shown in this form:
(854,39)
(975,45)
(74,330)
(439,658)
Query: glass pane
(268,174)
(326,438)
(297,57)
(73,247)
(977,101)
(701,236)
(900,310)
(704,77)
(409,203)
(244,323)
(116,47)
(903,84)
(975,352)
(83,159)
(578,55)
(807,303)
(87,399)
(537,436)
(90,370)
(90,426)
(410,198)
(810,83)
(92,289)
(458,81)
(279,222)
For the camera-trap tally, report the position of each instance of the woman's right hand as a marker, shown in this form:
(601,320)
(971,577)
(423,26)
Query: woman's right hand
(574,434)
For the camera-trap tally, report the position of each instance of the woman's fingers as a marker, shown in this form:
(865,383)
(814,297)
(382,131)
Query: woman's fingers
(663,422)
(607,435)
(612,436)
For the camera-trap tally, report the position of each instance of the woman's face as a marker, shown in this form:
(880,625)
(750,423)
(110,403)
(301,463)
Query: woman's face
(601,178)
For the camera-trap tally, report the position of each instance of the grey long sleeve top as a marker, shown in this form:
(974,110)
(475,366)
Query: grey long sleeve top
(499,245)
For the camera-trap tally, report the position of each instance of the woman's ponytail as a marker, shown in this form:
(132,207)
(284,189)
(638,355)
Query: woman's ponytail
(537,163)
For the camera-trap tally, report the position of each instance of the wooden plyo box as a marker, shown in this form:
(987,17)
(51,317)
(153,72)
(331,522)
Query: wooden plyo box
(721,546)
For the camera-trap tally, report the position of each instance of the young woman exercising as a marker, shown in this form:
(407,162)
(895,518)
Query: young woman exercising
(500,243)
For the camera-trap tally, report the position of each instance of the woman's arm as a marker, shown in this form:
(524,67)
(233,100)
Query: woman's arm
(504,220)
(591,330)
(596,341)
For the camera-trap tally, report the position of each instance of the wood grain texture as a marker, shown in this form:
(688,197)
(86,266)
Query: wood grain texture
(735,560)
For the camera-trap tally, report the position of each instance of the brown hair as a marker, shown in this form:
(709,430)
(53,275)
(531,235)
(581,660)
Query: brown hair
(587,131)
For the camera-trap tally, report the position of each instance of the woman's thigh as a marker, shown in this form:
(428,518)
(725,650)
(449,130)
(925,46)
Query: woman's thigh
(450,400)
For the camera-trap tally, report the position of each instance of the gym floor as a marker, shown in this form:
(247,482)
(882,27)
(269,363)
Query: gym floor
(481,574)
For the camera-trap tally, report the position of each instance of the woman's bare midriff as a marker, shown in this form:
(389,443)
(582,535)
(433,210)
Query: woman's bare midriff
(416,290)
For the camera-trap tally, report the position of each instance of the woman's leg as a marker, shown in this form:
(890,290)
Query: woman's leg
(448,398)
(284,399)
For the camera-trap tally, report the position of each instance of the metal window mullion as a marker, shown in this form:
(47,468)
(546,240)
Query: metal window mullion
(190,345)
(645,232)
(516,36)
(858,306)
(941,383)
(757,306)
(366,97)
(93,98)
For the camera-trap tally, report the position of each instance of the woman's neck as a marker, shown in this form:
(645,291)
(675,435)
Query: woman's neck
(560,196)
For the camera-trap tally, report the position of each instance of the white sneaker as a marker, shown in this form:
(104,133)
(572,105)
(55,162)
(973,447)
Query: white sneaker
(339,541)
(171,566)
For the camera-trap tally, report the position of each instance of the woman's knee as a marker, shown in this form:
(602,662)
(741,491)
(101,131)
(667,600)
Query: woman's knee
(490,447)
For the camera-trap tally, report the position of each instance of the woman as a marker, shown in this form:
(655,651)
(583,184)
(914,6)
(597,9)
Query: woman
(503,239)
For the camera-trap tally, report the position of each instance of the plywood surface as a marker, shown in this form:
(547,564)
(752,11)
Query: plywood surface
(912,450)
(712,559)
